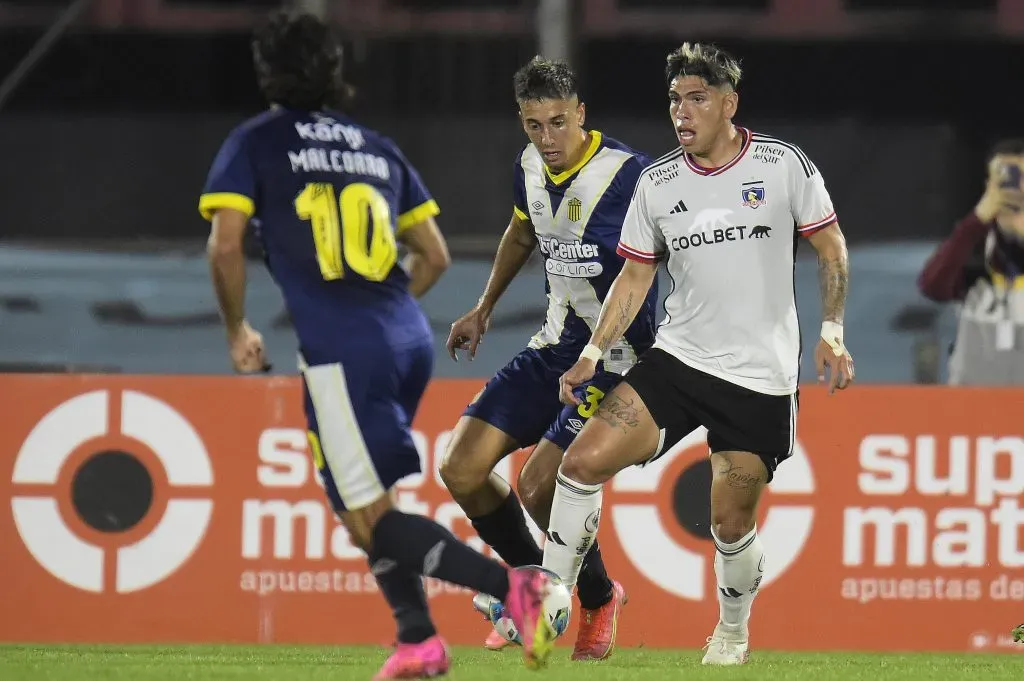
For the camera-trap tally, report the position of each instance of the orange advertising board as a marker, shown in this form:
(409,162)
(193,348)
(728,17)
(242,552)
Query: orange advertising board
(179,509)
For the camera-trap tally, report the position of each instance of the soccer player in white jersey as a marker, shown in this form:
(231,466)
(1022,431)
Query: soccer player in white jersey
(724,212)
(571,192)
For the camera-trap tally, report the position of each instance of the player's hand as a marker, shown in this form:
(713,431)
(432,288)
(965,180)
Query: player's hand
(1004,202)
(581,372)
(246,348)
(468,332)
(834,357)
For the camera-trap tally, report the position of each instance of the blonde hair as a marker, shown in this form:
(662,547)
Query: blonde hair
(715,66)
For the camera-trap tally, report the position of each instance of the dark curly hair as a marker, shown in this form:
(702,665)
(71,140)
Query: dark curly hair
(298,62)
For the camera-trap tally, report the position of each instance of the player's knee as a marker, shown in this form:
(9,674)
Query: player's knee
(731,524)
(461,471)
(361,536)
(586,464)
(361,522)
(536,490)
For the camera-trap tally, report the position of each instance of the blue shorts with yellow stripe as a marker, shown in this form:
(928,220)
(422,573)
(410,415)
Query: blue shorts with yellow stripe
(360,414)
(522,399)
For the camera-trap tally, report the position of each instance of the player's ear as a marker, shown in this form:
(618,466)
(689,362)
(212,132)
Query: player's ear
(730,103)
(522,120)
(581,113)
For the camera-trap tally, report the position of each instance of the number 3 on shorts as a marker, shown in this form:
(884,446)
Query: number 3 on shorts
(591,402)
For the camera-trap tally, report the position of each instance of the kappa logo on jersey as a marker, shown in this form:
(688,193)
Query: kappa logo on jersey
(565,259)
(327,129)
(753,194)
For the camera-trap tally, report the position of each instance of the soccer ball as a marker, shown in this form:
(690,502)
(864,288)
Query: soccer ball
(557,609)
(557,603)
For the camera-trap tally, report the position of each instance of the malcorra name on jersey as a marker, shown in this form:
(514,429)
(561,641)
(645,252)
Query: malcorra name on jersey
(314,159)
(337,161)
(564,259)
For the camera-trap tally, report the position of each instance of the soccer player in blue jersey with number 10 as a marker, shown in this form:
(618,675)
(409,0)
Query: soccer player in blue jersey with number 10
(330,200)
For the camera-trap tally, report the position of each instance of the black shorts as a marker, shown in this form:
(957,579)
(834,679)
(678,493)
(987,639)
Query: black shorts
(681,399)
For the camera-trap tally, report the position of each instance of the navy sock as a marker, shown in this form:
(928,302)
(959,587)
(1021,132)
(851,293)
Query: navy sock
(504,529)
(421,545)
(403,590)
(593,586)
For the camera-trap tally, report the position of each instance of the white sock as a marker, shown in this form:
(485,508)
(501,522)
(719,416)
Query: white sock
(575,515)
(739,568)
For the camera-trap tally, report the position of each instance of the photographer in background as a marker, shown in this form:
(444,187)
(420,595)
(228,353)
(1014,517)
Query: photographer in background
(989,347)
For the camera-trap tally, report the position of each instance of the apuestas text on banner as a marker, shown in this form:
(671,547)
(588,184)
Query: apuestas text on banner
(897,524)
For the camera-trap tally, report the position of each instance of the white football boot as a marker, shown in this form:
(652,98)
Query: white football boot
(725,648)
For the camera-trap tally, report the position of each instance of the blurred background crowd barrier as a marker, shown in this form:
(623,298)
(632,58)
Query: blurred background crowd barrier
(107,131)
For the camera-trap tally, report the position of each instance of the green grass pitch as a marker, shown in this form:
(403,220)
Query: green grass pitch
(291,663)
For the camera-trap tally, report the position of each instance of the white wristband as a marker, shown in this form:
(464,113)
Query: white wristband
(591,352)
(832,333)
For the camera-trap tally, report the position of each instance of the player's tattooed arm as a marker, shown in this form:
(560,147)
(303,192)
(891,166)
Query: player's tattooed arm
(622,316)
(623,301)
(833,271)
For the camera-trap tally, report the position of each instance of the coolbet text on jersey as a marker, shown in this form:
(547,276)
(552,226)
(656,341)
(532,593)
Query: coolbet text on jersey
(327,198)
(729,236)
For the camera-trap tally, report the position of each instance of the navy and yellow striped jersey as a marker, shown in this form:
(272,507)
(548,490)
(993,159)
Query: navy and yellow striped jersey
(327,198)
(577,215)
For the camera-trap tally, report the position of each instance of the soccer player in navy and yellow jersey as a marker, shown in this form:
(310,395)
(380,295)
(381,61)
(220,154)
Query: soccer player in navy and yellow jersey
(571,190)
(329,200)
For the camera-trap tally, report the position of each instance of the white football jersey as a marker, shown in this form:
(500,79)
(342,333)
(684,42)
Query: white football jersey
(577,216)
(729,237)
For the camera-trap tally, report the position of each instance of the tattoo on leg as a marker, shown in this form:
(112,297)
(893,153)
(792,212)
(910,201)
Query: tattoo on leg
(736,477)
(619,413)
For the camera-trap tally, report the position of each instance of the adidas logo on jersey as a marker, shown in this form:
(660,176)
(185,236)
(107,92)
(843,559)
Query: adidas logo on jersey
(678,208)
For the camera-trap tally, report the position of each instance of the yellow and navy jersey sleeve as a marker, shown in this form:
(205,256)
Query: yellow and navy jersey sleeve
(610,211)
(231,182)
(519,207)
(415,204)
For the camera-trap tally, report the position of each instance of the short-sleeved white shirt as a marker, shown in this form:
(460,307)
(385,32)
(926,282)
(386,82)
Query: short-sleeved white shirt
(729,236)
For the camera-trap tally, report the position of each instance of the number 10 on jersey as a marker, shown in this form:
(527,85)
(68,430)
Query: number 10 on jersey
(353,230)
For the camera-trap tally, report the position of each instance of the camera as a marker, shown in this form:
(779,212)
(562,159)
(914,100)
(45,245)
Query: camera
(1010,176)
